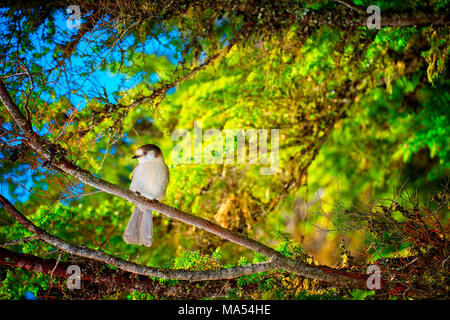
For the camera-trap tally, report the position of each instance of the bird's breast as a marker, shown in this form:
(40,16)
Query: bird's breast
(150,180)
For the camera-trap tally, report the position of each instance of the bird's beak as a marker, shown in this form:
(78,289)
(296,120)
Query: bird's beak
(134,157)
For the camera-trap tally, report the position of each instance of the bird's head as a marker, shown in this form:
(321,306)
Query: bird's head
(147,153)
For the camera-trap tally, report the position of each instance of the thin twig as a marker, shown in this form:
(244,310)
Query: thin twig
(17,241)
(351,6)
(30,91)
(54,268)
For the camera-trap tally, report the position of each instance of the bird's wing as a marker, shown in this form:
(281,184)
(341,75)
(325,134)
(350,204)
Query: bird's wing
(132,176)
(168,173)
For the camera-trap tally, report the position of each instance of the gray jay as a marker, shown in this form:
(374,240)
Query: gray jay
(150,179)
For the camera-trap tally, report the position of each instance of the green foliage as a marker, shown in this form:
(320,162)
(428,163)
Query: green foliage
(288,246)
(431,128)
(194,260)
(16,283)
(358,294)
(136,295)
(359,111)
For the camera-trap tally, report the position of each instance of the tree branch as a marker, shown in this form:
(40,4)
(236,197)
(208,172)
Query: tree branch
(99,255)
(17,241)
(400,21)
(111,281)
(351,6)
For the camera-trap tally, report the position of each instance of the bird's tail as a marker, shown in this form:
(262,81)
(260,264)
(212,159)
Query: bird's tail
(140,227)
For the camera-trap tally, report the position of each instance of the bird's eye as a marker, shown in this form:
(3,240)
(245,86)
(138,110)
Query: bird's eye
(145,153)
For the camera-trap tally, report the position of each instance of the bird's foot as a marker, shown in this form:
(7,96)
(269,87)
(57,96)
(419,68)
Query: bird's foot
(148,242)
